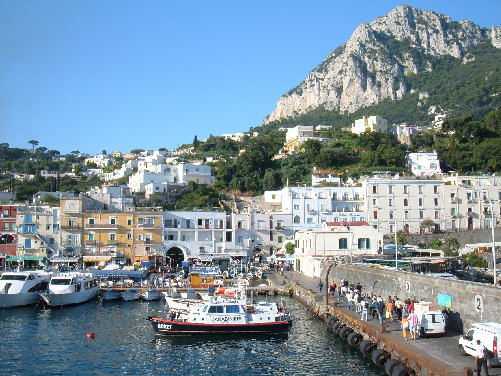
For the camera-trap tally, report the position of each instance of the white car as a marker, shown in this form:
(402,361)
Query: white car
(488,333)
(432,323)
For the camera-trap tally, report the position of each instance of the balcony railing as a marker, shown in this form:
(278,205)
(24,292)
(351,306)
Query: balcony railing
(102,225)
(71,228)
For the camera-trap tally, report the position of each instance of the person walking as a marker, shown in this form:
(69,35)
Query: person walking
(404,324)
(380,312)
(365,309)
(481,358)
(413,325)
(320,286)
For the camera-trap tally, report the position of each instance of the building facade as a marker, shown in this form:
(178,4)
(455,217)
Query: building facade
(370,124)
(8,229)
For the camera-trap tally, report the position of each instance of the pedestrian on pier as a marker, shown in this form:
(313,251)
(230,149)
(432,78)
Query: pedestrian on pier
(365,309)
(481,358)
(414,325)
(380,310)
(405,328)
(320,286)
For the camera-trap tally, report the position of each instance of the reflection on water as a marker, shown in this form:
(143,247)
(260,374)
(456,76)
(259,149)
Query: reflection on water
(54,342)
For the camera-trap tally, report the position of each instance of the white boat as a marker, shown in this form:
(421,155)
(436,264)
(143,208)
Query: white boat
(224,316)
(109,294)
(22,288)
(70,288)
(130,295)
(151,294)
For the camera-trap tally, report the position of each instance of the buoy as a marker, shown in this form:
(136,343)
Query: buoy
(90,335)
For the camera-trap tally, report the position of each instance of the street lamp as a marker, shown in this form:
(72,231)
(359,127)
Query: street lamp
(493,243)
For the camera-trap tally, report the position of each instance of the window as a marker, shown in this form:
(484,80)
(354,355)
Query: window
(140,237)
(279,239)
(406,214)
(420,201)
(453,211)
(357,197)
(113,236)
(140,221)
(92,221)
(374,202)
(436,214)
(309,220)
(390,202)
(435,189)
(129,221)
(129,236)
(91,236)
(343,243)
(113,221)
(297,219)
(239,240)
(296,207)
(239,224)
(188,223)
(273,196)
(374,189)
(391,228)
(216,309)
(375,214)
(232,309)
(6,225)
(421,214)
(391,215)
(47,227)
(200,221)
(364,243)
(406,189)
(406,202)
(420,189)
(390,189)
(435,201)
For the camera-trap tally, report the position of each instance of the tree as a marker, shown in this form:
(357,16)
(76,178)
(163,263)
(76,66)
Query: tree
(103,152)
(427,224)
(272,180)
(435,244)
(401,237)
(451,246)
(33,144)
(196,143)
(473,259)
(289,248)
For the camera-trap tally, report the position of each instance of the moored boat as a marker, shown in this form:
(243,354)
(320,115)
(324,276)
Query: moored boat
(224,316)
(110,294)
(151,294)
(70,288)
(130,295)
(22,288)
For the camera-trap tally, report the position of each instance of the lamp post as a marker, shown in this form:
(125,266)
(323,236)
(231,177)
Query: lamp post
(493,243)
(396,246)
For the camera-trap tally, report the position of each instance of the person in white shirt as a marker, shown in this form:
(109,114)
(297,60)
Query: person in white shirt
(480,358)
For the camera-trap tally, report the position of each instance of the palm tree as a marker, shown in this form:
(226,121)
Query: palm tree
(33,144)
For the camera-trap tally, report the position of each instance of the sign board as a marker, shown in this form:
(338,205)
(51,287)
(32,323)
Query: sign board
(479,303)
(445,300)
(407,286)
(200,269)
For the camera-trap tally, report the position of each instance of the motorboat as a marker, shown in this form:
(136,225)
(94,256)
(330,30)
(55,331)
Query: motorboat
(151,294)
(110,294)
(22,288)
(224,316)
(130,295)
(70,288)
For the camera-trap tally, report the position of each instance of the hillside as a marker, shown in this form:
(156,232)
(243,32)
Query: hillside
(386,64)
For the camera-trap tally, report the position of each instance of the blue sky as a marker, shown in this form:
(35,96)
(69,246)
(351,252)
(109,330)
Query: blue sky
(118,75)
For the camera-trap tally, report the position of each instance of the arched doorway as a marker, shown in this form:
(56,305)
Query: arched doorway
(175,256)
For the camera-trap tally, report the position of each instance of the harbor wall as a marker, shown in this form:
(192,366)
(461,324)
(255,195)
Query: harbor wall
(469,301)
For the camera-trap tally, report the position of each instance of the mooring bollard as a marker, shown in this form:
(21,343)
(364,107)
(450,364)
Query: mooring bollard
(468,371)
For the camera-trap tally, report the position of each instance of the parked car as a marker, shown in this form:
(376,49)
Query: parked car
(488,334)
(432,323)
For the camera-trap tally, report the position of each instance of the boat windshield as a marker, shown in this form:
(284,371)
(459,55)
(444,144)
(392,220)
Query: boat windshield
(13,277)
(232,309)
(60,281)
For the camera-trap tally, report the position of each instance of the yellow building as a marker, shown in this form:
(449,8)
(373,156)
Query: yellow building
(112,233)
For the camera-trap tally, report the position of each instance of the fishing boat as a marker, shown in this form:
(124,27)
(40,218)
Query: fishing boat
(70,288)
(151,294)
(22,288)
(130,295)
(224,316)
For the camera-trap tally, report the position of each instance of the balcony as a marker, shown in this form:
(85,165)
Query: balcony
(92,243)
(102,226)
(100,253)
(71,228)
(146,225)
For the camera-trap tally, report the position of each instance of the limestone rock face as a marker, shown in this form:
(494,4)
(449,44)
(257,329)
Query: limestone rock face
(369,67)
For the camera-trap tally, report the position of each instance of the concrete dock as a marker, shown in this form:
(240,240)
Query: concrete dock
(429,356)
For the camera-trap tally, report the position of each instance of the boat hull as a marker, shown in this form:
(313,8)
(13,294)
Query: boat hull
(18,300)
(168,327)
(58,300)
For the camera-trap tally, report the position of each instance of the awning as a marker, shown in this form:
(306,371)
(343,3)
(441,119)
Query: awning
(34,258)
(96,258)
(13,258)
(63,259)
(131,274)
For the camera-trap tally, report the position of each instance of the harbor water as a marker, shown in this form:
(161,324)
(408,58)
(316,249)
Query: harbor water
(53,342)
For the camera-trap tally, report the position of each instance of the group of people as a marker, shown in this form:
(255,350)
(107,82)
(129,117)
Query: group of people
(392,308)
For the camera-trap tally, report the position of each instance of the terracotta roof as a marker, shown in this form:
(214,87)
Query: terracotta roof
(347,223)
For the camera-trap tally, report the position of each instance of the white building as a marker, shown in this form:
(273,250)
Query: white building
(234,136)
(372,124)
(406,202)
(297,136)
(113,197)
(335,239)
(125,169)
(101,160)
(424,164)
(320,177)
(310,207)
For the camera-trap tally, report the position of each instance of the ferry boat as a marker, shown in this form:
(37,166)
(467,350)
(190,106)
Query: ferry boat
(224,316)
(22,288)
(70,288)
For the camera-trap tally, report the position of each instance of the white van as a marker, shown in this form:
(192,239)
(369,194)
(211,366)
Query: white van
(431,323)
(488,334)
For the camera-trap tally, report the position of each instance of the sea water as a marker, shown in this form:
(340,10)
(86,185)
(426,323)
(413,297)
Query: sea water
(54,342)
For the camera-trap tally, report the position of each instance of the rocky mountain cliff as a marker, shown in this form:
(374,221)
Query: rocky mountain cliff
(370,66)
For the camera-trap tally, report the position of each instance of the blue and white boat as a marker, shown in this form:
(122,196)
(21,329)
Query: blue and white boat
(22,288)
(70,288)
